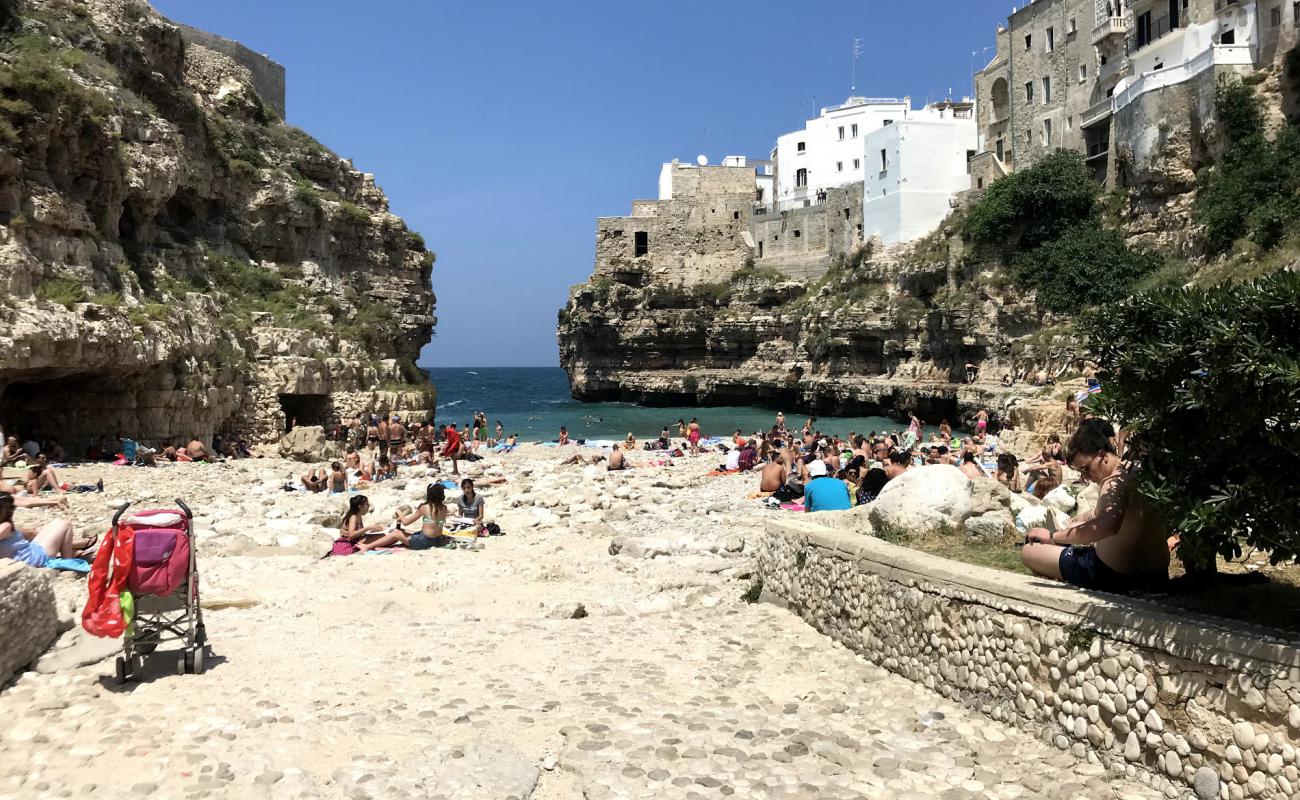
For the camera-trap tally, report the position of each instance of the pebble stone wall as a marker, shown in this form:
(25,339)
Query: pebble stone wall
(28,616)
(1200,707)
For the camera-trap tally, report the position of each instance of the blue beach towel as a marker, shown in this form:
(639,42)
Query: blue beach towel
(78,565)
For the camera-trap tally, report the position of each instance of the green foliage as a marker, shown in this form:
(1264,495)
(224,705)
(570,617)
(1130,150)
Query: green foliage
(754,592)
(354,213)
(64,291)
(1078,637)
(374,325)
(1178,364)
(1254,189)
(37,80)
(801,558)
(110,300)
(1033,206)
(1084,265)
(908,311)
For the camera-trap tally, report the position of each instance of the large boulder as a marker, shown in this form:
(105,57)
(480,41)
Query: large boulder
(932,499)
(29,618)
(308,443)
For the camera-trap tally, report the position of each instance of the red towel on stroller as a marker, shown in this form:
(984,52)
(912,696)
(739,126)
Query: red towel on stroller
(103,613)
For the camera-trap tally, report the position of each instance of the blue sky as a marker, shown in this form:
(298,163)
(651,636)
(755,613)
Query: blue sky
(501,130)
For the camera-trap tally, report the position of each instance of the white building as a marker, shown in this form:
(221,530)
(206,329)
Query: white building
(764,177)
(915,168)
(828,152)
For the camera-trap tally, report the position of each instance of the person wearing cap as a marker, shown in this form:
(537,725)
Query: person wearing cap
(824,492)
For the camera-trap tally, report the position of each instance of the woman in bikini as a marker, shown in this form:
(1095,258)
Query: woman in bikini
(693,436)
(353,530)
(54,540)
(432,515)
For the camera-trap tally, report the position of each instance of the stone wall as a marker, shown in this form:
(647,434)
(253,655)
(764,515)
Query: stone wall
(1193,701)
(268,76)
(28,617)
(803,242)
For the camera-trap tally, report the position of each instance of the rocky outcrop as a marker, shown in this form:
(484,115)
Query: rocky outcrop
(176,260)
(884,332)
(28,617)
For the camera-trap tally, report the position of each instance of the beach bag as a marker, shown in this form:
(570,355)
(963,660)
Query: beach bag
(162,560)
(102,615)
(342,547)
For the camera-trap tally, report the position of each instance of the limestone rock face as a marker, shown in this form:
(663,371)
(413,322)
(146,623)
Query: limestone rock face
(176,260)
(934,498)
(307,443)
(29,621)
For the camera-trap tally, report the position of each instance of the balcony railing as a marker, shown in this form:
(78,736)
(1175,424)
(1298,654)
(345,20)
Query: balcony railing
(1110,27)
(1099,112)
(1234,54)
(1159,29)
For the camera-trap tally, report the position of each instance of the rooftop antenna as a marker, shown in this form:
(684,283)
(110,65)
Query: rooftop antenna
(856,51)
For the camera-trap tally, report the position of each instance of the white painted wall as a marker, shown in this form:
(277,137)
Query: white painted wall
(828,158)
(1185,44)
(925,167)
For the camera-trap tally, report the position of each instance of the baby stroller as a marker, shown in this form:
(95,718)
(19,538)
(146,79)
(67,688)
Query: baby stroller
(161,583)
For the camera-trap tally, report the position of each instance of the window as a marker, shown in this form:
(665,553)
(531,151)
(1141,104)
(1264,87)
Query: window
(801,178)
(1069,123)
(1228,37)
(979,183)
(839,166)
(801,148)
(1047,90)
(1001,150)
(970,156)
(846,213)
(1029,92)
(1074,27)
(855,130)
(1083,73)
(857,163)
(889,122)
(642,246)
(1051,39)
(1029,41)
(797,234)
(884,160)
(1047,133)
(1103,59)
(735,215)
(1295,13)
(760,248)
(1275,17)
(841,133)
(859,231)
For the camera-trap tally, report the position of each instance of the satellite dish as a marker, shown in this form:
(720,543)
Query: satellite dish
(702,160)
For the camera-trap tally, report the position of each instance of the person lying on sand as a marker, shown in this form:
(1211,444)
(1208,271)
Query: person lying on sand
(315,479)
(54,540)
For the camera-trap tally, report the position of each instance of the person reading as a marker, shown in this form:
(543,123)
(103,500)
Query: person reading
(1121,545)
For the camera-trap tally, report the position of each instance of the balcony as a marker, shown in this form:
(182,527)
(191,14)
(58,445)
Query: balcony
(1172,74)
(1098,113)
(1115,26)
(1226,5)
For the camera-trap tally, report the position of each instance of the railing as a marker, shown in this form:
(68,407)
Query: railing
(789,204)
(1097,113)
(1098,149)
(1220,5)
(1227,54)
(1158,30)
(1110,27)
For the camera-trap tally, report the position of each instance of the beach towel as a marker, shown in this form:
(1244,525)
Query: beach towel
(719,472)
(78,565)
(792,507)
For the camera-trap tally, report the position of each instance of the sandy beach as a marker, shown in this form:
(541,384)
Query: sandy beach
(540,666)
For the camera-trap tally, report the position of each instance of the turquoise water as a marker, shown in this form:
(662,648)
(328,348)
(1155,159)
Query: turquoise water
(535,402)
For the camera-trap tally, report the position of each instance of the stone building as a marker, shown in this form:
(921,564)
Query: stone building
(1131,82)
(698,232)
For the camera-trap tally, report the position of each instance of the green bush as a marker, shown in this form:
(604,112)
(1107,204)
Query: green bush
(64,291)
(1179,365)
(1254,189)
(1083,266)
(354,213)
(1034,205)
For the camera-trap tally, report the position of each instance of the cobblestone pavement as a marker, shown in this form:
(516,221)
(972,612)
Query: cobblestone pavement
(473,674)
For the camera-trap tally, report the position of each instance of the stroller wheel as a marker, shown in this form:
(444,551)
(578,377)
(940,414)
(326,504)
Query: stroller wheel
(122,672)
(183,663)
(200,634)
(145,648)
(197,661)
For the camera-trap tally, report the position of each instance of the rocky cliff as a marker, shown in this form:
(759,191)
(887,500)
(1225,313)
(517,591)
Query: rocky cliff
(176,260)
(880,333)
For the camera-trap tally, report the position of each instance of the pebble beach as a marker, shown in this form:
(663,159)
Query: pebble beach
(601,648)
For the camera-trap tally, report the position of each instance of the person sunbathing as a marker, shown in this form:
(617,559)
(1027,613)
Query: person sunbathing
(54,540)
(338,479)
(432,516)
(41,477)
(315,479)
(1129,548)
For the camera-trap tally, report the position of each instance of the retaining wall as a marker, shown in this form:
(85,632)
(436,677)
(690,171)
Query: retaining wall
(1198,703)
(29,620)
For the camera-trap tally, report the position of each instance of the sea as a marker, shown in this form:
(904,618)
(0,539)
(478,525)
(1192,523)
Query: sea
(534,402)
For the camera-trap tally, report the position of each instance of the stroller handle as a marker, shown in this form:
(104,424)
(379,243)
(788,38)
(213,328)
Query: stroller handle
(120,509)
(188,514)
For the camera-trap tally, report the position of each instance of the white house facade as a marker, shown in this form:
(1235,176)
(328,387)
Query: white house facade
(828,152)
(915,168)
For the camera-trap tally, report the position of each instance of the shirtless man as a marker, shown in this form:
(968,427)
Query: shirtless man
(197,451)
(396,436)
(898,462)
(315,480)
(381,433)
(616,460)
(773,476)
(1131,550)
(13,451)
(352,459)
(970,467)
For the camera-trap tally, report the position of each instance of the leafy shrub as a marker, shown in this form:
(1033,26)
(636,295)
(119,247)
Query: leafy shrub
(1034,205)
(1083,266)
(1178,364)
(1254,189)
(64,291)
(354,213)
